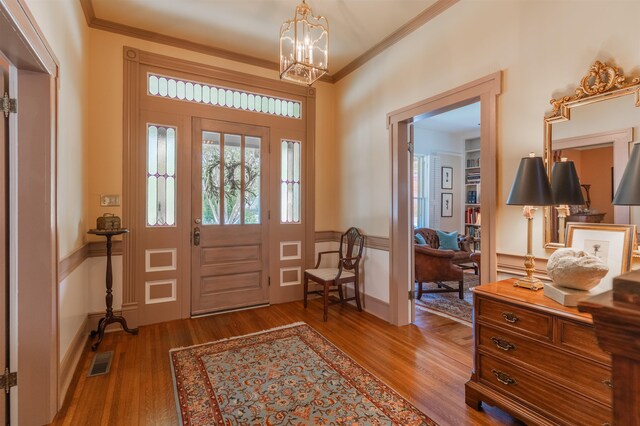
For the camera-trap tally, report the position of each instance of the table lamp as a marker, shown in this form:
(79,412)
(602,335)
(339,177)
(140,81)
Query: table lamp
(530,188)
(628,192)
(566,191)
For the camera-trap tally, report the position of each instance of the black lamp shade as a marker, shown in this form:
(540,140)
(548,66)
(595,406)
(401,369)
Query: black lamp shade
(628,193)
(531,186)
(565,185)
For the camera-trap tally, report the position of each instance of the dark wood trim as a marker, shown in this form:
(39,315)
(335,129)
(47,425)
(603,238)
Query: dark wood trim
(99,248)
(370,241)
(425,16)
(105,25)
(25,26)
(327,236)
(67,265)
(92,249)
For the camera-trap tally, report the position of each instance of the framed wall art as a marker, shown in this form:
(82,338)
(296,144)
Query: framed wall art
(612,243)
(447,178)
(446,204)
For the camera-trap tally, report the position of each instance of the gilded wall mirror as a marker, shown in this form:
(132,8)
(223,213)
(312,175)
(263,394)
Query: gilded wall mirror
(595,128)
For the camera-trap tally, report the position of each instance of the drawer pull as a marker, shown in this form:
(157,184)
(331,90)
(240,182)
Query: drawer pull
(608,383)
(503,377)
(510,317)
(503,344)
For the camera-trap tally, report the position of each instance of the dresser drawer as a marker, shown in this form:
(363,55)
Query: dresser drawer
(581,339)
(563,405)
(589,378)
(535,324)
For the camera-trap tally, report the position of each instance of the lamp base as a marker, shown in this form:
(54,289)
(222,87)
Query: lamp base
(531,283)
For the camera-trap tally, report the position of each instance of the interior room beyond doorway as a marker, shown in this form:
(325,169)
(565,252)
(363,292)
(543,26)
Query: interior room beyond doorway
(446,207)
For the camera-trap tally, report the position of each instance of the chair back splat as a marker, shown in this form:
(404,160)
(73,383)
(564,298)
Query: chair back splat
(333,279)
(351,242)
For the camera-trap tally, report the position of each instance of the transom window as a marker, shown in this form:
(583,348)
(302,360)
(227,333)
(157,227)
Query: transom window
(185,90)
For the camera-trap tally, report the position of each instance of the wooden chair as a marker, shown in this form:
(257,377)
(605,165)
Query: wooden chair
(332,279)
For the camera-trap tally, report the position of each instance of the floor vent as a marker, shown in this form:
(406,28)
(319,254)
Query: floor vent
(101,363)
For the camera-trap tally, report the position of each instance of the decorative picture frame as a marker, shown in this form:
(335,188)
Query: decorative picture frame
(446,181)
(446,204)
(613,243)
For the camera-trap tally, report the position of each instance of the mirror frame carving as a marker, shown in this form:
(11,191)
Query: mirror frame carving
(601,83)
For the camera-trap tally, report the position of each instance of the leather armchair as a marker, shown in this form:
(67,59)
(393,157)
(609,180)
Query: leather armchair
(438,266)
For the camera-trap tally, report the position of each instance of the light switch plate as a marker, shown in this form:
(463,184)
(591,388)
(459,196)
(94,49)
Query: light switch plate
(109,200)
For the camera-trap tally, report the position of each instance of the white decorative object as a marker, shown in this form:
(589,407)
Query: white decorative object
(574,273)
(576,269)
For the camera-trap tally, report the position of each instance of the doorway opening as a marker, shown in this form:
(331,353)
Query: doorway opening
(446,188)
(400,123)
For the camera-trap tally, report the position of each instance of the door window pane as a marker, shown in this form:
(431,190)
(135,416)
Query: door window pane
(251,180)
(290,160)
(211,178)
(232,179)
(161,175)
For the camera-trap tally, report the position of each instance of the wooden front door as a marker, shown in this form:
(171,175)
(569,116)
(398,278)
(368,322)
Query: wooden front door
(230,200)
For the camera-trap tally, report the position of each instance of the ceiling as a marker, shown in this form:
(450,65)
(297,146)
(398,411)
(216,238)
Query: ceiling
(463,119)
(251,27)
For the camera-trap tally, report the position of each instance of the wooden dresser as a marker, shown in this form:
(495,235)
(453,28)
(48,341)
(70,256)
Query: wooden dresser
(537,359)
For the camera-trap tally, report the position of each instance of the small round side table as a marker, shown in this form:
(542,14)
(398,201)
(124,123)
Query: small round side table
(109,317)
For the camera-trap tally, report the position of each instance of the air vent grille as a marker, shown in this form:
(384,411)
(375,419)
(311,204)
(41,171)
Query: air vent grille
(101,363)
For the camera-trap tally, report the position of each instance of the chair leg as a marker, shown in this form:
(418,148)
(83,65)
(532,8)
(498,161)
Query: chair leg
(419,290)
(340,293)
(306,289)
(461,289)
(326,302)
(357,290)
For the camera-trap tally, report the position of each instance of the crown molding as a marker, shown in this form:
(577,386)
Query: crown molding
(425,16)
(105,25)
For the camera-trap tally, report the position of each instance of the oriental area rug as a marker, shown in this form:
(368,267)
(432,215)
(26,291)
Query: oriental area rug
(449,304)
(286,376)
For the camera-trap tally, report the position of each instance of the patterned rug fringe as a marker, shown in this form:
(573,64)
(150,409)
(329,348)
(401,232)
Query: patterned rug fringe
(294,324)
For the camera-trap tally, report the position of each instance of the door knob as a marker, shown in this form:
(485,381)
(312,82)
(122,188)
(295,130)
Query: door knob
(196,236)
(197,221)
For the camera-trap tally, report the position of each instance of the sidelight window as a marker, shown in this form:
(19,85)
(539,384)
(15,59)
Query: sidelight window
(290,182)
(161,175)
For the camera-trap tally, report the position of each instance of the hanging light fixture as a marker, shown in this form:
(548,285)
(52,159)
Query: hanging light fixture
(304,46)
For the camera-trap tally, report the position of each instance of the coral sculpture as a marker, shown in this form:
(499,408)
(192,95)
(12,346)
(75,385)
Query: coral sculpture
(576,269)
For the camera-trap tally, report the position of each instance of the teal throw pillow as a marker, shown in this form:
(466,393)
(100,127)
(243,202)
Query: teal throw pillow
(419,239)
(448,240)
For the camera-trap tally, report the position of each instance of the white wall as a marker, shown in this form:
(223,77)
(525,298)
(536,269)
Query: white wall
(543,49)
(65,29)
(449,148)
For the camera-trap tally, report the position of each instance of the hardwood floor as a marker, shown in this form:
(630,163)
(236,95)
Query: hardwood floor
(428,363)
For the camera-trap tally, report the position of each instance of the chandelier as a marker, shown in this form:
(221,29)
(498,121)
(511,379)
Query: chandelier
(304,46)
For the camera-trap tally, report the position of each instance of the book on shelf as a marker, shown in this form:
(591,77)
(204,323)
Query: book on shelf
(473,216)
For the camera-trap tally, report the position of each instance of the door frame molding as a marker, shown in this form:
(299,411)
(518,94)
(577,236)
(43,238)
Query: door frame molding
(485,90)
(34,180)
(133,60)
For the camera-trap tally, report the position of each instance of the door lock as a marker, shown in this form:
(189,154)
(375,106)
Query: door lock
(197,221)
(196,236)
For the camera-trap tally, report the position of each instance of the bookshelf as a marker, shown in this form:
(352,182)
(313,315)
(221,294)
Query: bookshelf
(472,217)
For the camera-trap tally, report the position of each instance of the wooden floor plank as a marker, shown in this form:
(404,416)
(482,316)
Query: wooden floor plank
(427,362)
